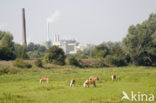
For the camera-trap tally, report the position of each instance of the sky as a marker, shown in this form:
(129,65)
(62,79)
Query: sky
(87,21)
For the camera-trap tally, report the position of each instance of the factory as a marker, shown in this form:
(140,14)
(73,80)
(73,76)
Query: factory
(69,46)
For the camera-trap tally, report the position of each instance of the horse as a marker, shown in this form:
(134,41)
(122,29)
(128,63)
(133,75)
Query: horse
(93,78)
(88,82)
(113,77)
(44,79)
(72,82)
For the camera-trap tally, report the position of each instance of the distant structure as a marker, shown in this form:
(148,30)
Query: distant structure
(24,41)
(48,37)
(69,46)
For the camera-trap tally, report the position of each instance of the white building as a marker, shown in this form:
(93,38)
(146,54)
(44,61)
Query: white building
(69,46)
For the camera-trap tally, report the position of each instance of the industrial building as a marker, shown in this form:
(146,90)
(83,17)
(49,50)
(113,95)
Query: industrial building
(69,46)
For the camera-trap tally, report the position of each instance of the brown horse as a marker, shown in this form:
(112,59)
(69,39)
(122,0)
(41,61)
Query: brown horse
(44,79)
(93,78)
(88,82)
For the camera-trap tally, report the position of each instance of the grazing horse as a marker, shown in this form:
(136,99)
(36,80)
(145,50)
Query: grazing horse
(72,83)
(88,82)
(113,77)
(93,78)
(44,79)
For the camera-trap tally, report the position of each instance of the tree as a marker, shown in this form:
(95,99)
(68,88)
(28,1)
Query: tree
(42,48)
(71,60)
(55,55)
(35,50)
(32,47)
(138,43)
(6,40)
(38,63)
(6,54)
(6,46)
(100,51)
(21,51)
(116,50)
(110,44)
(111,60)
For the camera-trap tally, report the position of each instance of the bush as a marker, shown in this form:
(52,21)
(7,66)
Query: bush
(21,63)
(73,61)
(55,55)
(114,61)
(38,63)
(6,54)
(21,51)
(7,70)
(95,63)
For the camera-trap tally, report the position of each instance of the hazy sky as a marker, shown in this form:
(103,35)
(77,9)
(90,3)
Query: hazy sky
(87,21)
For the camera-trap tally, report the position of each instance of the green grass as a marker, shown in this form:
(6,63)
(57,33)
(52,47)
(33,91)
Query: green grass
(24,87)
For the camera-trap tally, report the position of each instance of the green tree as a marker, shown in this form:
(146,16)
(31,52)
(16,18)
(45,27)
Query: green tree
(6,46)
(55,55)
(111,60)
(110,44)
(138,43)
(35,50)
(100,51)
(32,47)
(6,54)
(21,51)
(116,50)
(38,63)
(6,39)
(71,60)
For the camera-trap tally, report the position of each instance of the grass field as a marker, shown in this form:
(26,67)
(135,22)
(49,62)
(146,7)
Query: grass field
(24,86)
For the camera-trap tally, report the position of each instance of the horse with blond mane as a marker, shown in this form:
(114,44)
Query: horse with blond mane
(44,79)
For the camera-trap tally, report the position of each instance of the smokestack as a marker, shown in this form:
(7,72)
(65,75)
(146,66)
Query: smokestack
(55,38)
(58,39)
(48,39)
(24,41)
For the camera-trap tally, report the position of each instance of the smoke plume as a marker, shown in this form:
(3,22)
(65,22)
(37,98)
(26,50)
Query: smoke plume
(53,17)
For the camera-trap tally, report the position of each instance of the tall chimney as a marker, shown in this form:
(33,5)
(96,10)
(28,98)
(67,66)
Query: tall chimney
(48,39)
(58,39)
(24,41)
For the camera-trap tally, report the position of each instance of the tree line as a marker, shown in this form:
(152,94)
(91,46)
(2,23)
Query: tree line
(10,50)
(138,48)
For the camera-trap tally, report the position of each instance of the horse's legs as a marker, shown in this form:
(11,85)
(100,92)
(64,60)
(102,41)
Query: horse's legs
(40,81)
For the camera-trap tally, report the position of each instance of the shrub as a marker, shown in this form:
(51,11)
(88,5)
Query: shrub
(21,63)
(100,51)
(38,63)
(6,54)
(4,70)
(96,63)
(73,61)
(21,51)
(55,55)
(7,70)
(114,61)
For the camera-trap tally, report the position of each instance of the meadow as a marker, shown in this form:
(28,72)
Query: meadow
(24,86)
